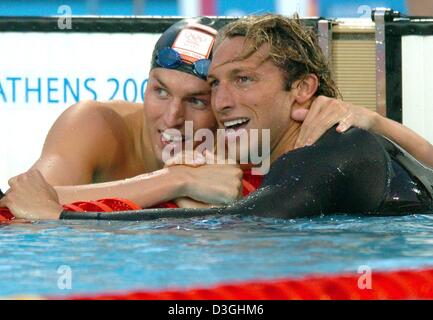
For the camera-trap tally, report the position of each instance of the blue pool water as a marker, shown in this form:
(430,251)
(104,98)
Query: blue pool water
(113,256)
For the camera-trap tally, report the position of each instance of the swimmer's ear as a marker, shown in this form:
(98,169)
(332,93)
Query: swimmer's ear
(305,88)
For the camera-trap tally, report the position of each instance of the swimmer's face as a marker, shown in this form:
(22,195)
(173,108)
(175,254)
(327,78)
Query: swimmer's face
(171,98)
(250,91)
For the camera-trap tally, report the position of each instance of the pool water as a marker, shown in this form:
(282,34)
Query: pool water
(102,256)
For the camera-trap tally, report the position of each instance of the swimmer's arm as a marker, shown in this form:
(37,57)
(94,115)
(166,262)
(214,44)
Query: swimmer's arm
(32,198)
(145,190)
(409,140)
(326,112)
(215,184)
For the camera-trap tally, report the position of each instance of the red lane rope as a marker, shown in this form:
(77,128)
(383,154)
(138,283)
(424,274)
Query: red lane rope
(391,285)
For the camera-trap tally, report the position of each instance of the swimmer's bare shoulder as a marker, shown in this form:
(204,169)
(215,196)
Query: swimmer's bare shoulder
(91,141)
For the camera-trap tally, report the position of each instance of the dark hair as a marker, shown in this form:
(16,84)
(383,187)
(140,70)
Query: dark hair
(292,47)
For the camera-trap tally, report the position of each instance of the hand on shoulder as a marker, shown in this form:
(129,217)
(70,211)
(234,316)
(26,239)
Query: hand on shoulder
(326,112)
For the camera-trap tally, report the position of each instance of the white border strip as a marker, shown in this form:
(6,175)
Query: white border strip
(417,85)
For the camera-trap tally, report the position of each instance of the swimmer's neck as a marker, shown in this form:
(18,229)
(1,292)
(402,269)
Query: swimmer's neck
(146,150)
(287,142)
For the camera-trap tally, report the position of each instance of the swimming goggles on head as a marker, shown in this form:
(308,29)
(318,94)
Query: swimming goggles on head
(171,59)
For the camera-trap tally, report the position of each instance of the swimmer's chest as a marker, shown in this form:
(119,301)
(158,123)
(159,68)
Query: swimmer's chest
(128,160)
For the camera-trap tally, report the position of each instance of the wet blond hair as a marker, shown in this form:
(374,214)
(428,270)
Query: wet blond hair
(292,47)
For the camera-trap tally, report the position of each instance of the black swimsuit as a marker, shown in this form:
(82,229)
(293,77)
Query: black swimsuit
(355,172)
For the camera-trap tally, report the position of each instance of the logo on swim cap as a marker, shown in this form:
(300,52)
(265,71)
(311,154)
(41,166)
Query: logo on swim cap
(193,45)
